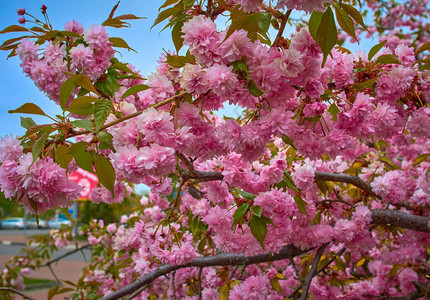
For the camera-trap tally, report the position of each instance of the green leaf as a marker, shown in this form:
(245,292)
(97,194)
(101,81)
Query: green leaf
(289,182)
(327,33)
(65,92)
(375,49)
(28,108)
(62,156)
(242,20)
(84,82)
(129,17)
(314,23)
(334,110)
(287,140)
(13,28)
(27,122)
(134,89)
(178,61)
(188,3)
(38,146)
(246,195)
(102,109)
(112,84)
(52,292)
(388,161)
(317,218)
(254,89)
(116,23)
(82,106)
(166,14)
(301,204)
(239,213)
(264,22)
(106,173)
(241,66)
(258,229)
(365,85)
(256,210)
(120,43)
(85,124)
(168,3)
(421,158)
(112,12)
(178,41)
(82,157)
(267,220)
(122,67)
(388,59)
(354,13)
(345,22)
(423,47)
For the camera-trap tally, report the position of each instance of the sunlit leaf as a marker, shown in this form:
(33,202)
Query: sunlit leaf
(134,89)
(375,49)
(258,229)
(28,108)
(65,92)
(38,146)
(105,173)
(102,109)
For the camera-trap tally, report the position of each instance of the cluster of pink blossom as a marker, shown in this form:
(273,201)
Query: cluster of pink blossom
(301,121)
(39,184)
(49,71)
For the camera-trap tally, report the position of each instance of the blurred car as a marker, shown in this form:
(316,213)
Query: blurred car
(15,223)
(32,223)
(57,222)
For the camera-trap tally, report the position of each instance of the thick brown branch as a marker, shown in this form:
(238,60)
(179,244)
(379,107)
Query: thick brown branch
(400,219)
(322,176)
(130,116)
(16,292)
(224,259)
(312,272)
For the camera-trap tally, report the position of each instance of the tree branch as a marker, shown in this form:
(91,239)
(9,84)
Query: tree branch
(130,116)
(312,272)
(16,292)
(400,219)
(323,176)
(284,20)
(224,259)
(65,255)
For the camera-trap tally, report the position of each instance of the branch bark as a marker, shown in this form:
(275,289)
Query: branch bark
(284,20)
(16,292)
(65,255)
(400,219)
(379,216)
(323,176)
(312,272)
(224,259)
(130,116)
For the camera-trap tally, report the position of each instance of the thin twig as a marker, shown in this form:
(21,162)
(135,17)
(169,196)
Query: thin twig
(130,116)
(173,284)
(137,292)
(200,283)
(16,292)
(312,272)
(284,20)
(65,255)
(55,275)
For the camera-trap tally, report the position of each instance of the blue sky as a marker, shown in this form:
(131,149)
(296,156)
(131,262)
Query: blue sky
(16,89)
